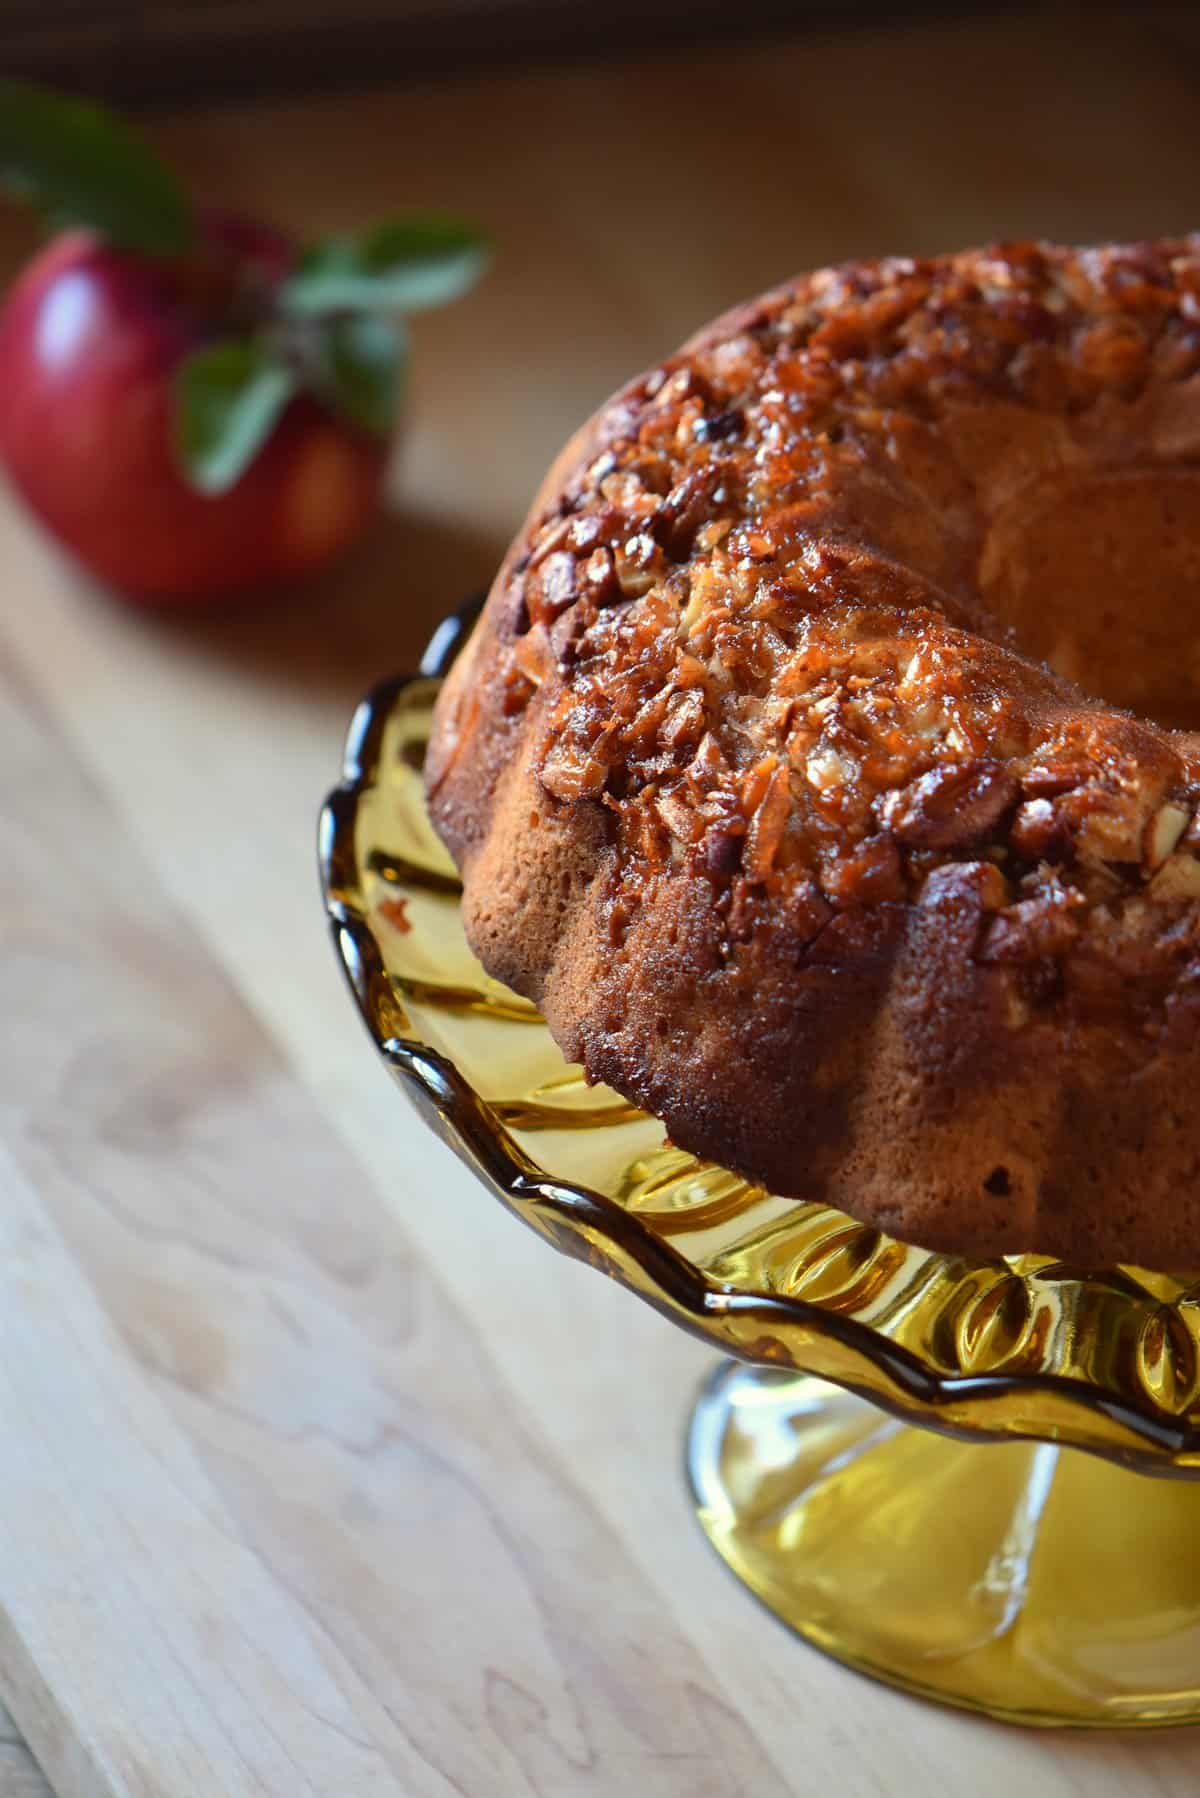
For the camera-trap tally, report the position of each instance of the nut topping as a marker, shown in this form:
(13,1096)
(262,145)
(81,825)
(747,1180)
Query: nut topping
(1050,782)
(533,654)
(869,875)
(553,587)
(688,505)
(640,564)
(723,849)
(570,776)
(600,577)
(1161,835)
(735,648)
(1045,925)
(950,807)
(1039,834)
(766,826)
(1178,878)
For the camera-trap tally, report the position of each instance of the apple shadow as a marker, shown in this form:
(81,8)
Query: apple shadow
(369,617)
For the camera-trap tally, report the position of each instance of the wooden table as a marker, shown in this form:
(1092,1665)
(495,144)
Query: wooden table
(320,1477)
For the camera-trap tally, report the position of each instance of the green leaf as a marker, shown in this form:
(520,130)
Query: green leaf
(404,266)
(364,360)
(81,166)
(229,398)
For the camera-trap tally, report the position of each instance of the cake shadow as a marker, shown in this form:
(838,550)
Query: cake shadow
(369,617)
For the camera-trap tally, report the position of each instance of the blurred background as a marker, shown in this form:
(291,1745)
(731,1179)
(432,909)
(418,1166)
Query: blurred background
(209,49)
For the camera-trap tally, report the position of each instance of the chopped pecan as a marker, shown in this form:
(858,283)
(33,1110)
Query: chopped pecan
(651,838)
(807,910)
(551,537)
(552,587)
(720,426)
(518,691)
(600,578)
(1178,878)
(1033,928)
(641,734)
(990,884)
(723,848)
(572,774)
(690,672)
(629,495)
(679,817)
(964,892)
(765,830)
(867,874)
(599,471)
(742,908)
(707,603)
(951,806)
(683,725)
(585,534)
(1162,833)
(1039,833)
(1110,825)
(639,564)
(684,384)
(755,782)
(1112,351)
(688,505)
(828,769)
(1049,782)
(708,766)
(533,654)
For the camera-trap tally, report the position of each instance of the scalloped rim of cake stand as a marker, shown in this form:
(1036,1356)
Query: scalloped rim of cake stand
(587,1225)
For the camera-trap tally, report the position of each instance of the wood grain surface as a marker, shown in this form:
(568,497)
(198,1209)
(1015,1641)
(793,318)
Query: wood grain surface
(322,1477)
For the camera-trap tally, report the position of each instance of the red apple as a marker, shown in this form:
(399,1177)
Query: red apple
(91,337)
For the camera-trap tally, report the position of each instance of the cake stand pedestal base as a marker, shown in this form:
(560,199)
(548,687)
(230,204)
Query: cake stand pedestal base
(1040,1585)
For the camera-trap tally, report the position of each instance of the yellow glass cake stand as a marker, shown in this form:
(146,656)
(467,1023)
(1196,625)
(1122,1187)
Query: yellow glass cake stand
(889,1460)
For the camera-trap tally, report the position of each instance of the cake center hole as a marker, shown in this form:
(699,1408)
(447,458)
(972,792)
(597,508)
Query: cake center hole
(1100,576)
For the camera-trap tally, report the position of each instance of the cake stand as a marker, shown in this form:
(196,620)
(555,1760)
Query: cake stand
(889,1455)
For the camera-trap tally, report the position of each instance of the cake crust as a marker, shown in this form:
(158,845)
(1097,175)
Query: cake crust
(762,787)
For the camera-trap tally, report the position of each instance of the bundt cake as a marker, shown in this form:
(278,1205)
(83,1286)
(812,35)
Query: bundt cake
(822,764)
